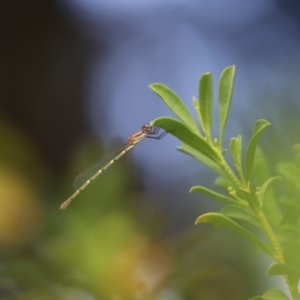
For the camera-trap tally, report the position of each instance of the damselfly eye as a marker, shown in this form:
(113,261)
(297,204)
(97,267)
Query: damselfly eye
(146,128)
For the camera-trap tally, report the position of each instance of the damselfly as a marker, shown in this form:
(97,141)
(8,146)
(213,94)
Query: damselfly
(85,178)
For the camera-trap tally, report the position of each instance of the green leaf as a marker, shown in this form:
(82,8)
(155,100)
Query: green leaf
(291,203)
(262,174)
(176,105)
(206,103)
(289,171)
(265,186)
(221,220)
(283,269)
(240,213)
(260,167)
(183,133)
(235,147)
(290,233)
(272,294)
(200,157)
(197,108)
(215,195)
(225,95)
(259,126)
(223,182)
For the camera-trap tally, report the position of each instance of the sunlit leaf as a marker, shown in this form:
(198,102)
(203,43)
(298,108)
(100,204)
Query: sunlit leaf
(283,269)
(223,182)
(262,175)
(197,109)
(206,103)
(200,157)
(183,133)
(176,105)
(240,213)
(219,219)
(264,187)
(235,147)
(272,294)
(225,95)
(213,194)
(260,167)
(259,126)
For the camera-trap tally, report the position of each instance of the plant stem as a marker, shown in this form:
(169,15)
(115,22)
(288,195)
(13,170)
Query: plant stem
(229,172)
(279,257)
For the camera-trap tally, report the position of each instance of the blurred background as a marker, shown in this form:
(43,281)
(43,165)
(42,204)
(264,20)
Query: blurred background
(74,79)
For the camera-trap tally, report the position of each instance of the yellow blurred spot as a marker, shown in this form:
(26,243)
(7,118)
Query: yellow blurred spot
(140,268)
(20,213)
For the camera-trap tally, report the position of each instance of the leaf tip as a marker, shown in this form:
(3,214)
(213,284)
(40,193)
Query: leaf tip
(153,86)
(205,74)
(232,67)
(192,189)
(153,122)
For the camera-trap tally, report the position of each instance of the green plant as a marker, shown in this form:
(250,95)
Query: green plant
(250,192)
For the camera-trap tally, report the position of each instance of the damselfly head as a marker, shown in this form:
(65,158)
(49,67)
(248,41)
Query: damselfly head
(146,128)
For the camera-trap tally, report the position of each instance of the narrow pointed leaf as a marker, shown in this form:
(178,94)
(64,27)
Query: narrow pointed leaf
(260,167)
(216,195)
(272,294)
(240,213)
(259,126)
(197,109)
(221,220)
(262,174)
(225,95)
(223,182)
(200,157)
(206,103)
(283,269)
(235,147)
(176,105)
(183,133)
(264,188)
